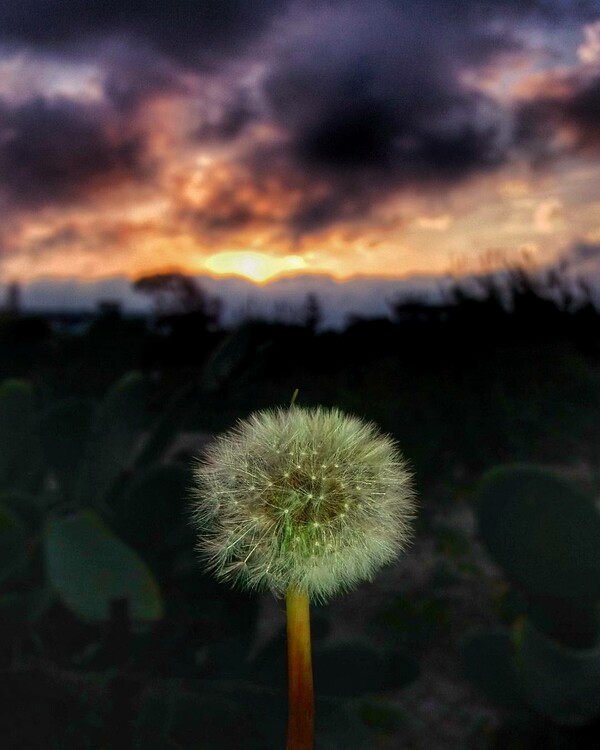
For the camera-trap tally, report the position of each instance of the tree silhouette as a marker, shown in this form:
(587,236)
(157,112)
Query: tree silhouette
(312,312)
(177,294)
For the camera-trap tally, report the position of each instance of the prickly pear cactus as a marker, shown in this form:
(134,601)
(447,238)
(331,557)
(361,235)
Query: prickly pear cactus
(545,535)
(542,531)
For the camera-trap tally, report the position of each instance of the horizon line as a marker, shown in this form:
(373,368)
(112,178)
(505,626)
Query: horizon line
(228,277)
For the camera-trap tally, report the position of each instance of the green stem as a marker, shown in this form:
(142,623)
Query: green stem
(300,679)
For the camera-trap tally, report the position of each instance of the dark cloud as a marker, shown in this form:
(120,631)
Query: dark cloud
(223,214)
(367,105)
(567,105)
(368,97)
(372,99)
(582,110)
(134,76)
(184,29)
(370,105)
(412,145)
(56,151)
(199,29)
(227,120)
(240,201)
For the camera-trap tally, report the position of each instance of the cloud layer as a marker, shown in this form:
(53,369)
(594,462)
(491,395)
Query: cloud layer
(225,122)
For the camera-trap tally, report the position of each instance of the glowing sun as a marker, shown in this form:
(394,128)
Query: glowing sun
(257,267)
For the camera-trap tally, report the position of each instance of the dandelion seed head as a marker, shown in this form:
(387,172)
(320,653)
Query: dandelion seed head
(284,535)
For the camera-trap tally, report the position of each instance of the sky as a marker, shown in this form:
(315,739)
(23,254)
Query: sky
(378,138)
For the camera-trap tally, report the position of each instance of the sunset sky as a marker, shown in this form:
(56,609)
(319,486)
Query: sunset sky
(264,137)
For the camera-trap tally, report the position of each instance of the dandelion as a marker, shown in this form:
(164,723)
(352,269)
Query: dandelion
(306,503)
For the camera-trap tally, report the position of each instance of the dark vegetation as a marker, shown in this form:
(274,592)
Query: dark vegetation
(112,636)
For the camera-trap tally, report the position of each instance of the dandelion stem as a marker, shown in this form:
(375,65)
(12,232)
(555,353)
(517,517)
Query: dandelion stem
(300,678)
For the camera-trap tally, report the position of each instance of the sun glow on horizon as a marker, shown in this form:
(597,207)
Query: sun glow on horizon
(258,267)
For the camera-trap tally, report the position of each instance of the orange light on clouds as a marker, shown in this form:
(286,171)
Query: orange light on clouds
(258,267)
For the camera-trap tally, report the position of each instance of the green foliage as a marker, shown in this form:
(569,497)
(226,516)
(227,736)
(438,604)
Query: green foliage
(75,455)
(455,408)
(339,727)
(237,352)
(348,670)
(115,430)
(344,670)
(523,729)
(25,506)
(546,536)
(20,460)
(97,518)
(89,568)
(221,715)
(165,426)
(526,669)
(64,431)
(215,716)
(562,684)
(542,531)
(574,623)
(487,658)
(414,623)
(25,605)
(382,715)
(13,550)
(40,710)
(152,509)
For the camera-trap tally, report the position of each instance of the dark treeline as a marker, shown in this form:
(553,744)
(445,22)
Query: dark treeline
(506,368)
(481,314)
(512,306)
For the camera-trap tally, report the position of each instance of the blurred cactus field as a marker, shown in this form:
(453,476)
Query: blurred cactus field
(485,635)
